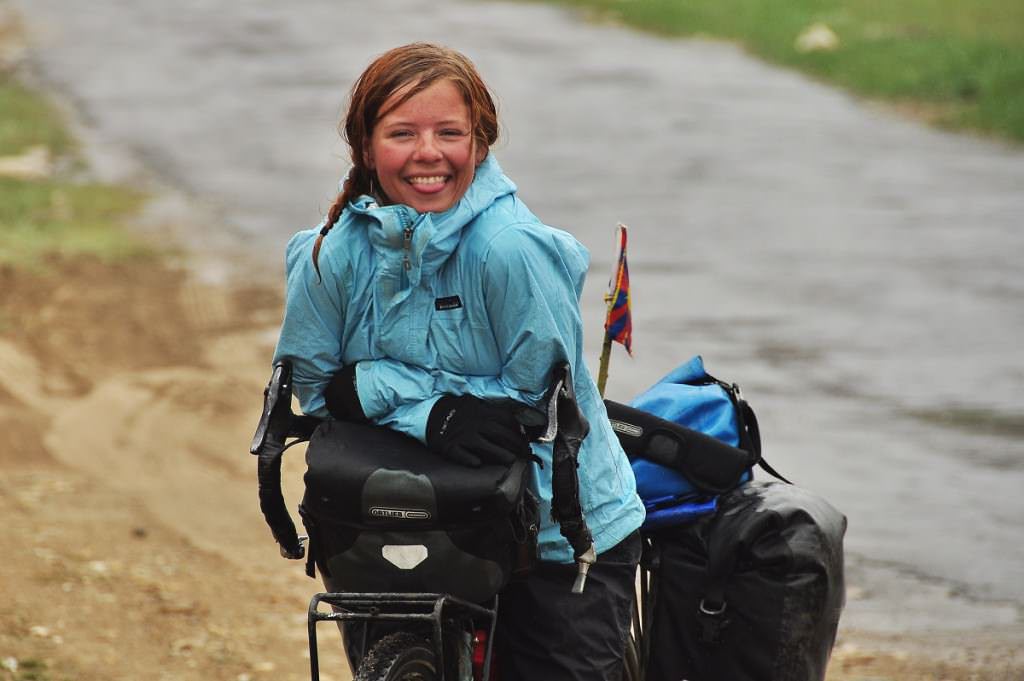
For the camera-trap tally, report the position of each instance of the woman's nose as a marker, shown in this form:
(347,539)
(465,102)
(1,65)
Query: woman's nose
(427,148)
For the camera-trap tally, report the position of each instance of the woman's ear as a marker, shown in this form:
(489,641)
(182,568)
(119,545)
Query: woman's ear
(367,156)
(481,154)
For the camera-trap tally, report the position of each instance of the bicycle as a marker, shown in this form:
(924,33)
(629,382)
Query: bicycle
(436,634)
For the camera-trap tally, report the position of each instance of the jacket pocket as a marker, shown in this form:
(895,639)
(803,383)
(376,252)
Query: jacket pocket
(461,345)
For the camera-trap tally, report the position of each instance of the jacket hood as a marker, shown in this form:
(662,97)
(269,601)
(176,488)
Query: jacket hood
(435,235)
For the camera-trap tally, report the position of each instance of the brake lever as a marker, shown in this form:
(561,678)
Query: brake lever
(279,384)
(551,409)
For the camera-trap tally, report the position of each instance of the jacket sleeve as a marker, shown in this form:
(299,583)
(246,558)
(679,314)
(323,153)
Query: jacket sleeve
(386,384)
(532,278)
(312,339)
(314,314)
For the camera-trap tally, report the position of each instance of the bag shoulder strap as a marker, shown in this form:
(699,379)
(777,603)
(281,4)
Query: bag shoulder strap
(746,425)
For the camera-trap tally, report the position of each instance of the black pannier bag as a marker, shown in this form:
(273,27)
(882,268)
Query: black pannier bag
(750,593)
(385,514)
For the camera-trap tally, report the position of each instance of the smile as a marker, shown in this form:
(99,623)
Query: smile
(429,179)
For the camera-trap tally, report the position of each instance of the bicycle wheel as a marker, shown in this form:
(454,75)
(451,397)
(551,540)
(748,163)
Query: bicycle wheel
(401,656)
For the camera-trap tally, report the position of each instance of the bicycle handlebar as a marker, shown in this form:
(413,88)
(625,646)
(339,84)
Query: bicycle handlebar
(277,424)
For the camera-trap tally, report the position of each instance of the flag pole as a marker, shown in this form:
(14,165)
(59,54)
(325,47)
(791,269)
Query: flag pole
(610,299)
(602,370)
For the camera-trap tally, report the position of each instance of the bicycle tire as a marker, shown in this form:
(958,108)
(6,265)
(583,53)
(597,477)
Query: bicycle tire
(401,656)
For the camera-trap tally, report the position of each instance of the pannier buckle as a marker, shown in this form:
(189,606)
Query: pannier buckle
(712,621)
(713,612)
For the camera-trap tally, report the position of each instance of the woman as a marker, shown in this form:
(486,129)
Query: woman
(430,293)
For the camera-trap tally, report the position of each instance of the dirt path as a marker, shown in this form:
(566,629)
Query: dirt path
(133,547)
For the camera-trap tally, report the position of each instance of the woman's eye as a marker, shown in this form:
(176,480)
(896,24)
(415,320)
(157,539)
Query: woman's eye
(451,132)
(401,133)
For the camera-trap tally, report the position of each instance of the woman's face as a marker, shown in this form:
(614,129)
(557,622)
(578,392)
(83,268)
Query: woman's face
(423,150)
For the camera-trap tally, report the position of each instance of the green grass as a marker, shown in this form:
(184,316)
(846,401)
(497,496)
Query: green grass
(39,219)
(27,120)
(28,670)
(57,215)
(960,63)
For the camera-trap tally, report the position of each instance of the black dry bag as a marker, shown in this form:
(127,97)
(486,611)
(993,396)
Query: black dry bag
(751,593)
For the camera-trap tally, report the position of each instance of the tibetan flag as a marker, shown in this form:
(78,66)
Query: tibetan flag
(619,324)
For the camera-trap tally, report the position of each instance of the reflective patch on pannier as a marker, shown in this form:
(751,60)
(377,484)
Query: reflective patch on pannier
(404,557)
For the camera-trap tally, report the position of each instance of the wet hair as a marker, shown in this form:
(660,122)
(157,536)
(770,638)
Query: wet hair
(406,70)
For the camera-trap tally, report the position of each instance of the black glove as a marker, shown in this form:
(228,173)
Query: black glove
(341,397)
(472,432)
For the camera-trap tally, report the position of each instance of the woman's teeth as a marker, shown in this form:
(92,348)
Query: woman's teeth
(433,179)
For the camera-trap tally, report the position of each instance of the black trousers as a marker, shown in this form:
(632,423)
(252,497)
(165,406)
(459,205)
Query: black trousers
(547,632)
(544,630)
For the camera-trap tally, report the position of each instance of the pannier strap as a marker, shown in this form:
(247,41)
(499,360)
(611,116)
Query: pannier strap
(313,545)
(566,510)
(713,607)
(749,431)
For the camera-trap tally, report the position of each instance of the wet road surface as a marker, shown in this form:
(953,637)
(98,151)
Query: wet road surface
(857,273)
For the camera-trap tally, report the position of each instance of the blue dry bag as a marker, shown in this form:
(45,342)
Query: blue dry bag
(689,437)
(689,397)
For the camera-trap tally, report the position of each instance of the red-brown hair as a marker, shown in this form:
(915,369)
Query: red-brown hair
(408,69)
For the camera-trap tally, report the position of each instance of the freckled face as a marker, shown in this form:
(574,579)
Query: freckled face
(423,150)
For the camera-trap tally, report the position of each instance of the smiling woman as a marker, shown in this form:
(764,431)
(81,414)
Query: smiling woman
(436,304)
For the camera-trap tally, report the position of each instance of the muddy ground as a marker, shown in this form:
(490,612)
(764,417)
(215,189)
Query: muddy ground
(132,545)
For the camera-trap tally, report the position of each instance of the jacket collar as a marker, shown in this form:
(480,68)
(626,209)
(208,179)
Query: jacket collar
(435,235)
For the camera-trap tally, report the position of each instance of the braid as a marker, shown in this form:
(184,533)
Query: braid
(359,181)
(332,218)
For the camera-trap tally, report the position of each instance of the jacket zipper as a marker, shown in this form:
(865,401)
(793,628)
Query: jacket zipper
(406,248)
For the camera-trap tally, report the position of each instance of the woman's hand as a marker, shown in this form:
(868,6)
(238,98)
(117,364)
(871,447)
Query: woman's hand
(474,432)
(342,398)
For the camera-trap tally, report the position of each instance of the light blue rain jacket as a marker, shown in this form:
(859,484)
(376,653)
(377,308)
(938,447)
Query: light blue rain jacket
(481,299)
